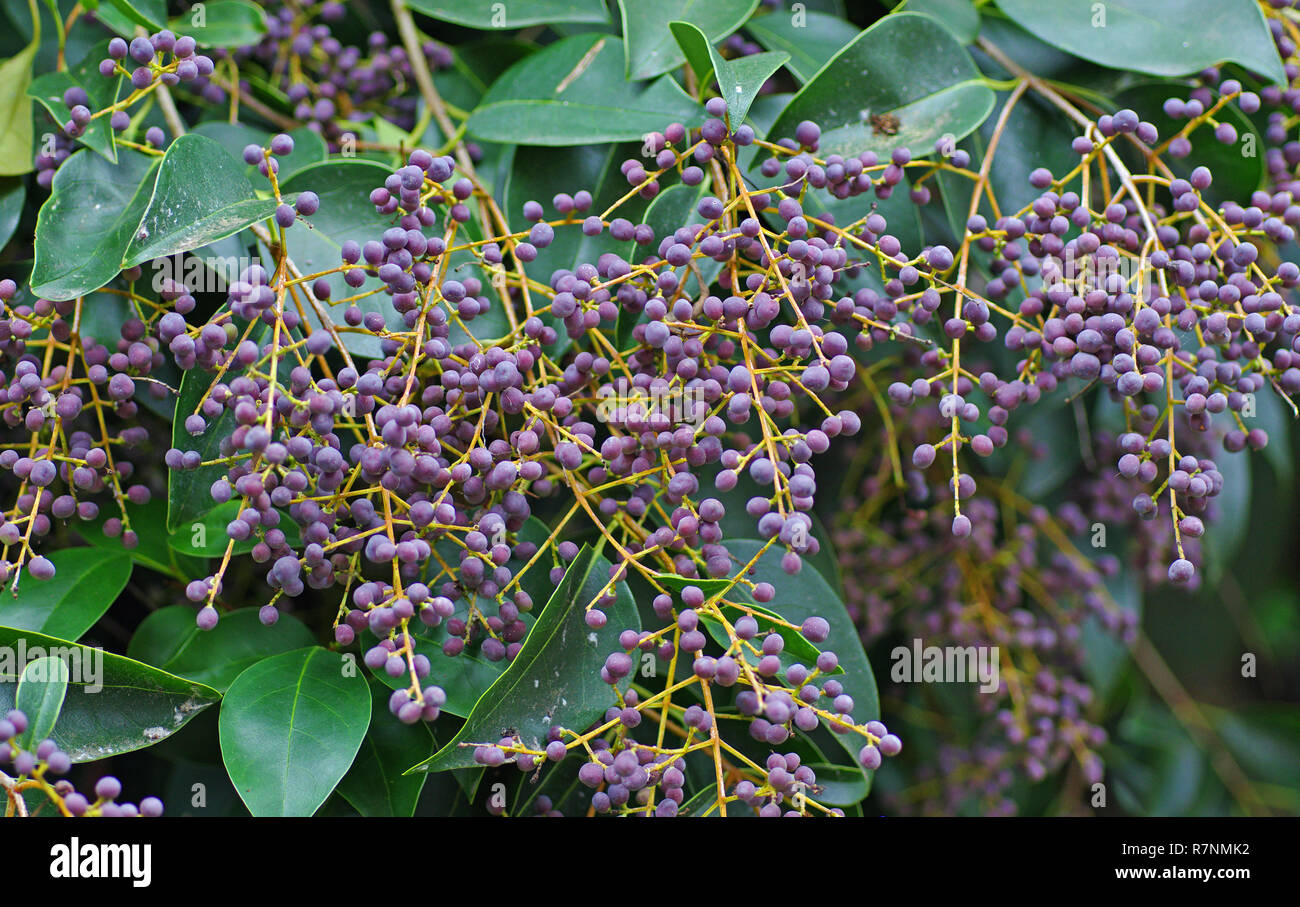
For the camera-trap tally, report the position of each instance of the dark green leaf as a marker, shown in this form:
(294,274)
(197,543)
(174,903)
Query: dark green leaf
(907,66)
(48,89)
(226,23)
(376,785)
(201,196)
(149,523)
(1163,39)
(958,16)
(205,536)
(114,704)
(13,192)
(647,38)
(169,639)
(290,727)
(810,39)
(805,595)
(573,93)
(152,14)
(308,148)
(86,584)
(86,225)
(554,681)
(495,14)
(738,80)
(40,693)
(345,213)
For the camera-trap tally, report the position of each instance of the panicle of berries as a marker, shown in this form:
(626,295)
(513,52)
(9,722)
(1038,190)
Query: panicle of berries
(32,770)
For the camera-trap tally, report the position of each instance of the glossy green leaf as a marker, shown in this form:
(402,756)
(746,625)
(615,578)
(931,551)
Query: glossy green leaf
(906,66)
(205,536)
(169,639)
(344,187)
(86,584)
(201,196)
(152,14)
(739,80)
(495,14)
(308,148)
(376,785)
(648,40)
(84,228)
(114,704)
(48,88)
(226,23)
(574,93)
(13,193)
(290,727)
(554,681)
(736,602)
(16,112)
(810,39)
(41,690)
(958,16)
(1155,36)
(805,595)
(149,523)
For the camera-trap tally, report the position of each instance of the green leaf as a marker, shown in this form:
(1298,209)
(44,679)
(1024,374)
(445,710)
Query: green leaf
(495,14)
(115,704)
(169,638)
(958,16)
(1224,535)
(807,594)
(290,727)
(149,523)
(344,187)
(16,112)
(738,80)
(1107,654)
(48,89)
(206,536)
(648,39)
(375,785)
(86,584)
(152,14)
(13,193)
(554,681)
(86,225)
(573,93)
(1160,38)
(40,693)
(907,66)
(201,196)
(226,23)
(308,147)
(735,603)
(810,41)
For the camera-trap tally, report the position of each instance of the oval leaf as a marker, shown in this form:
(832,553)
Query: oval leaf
(574,93)
(907,66)
(86,584)
(41,689)
(290,727)
(114,704)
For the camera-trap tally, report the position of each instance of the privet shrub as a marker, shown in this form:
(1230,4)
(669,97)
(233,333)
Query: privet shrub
(525,408)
